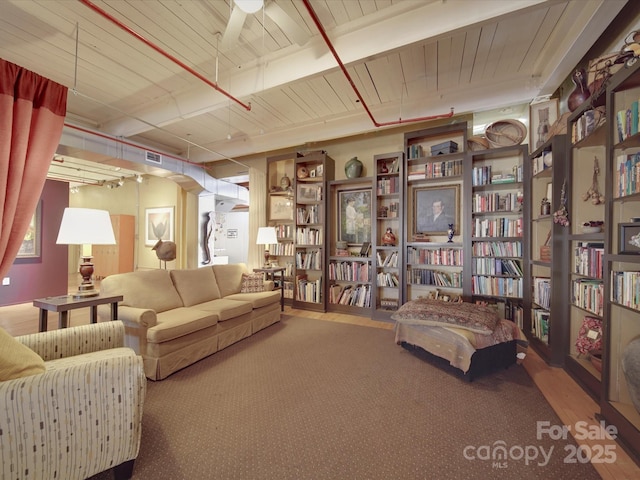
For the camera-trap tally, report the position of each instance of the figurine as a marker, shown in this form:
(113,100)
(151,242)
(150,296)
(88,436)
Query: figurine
(389,239)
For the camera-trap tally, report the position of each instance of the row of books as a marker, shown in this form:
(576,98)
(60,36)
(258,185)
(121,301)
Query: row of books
(589,295)
(449,168)
(497,227)
(625,289)
(497,249)
(542,162)
(585,125)
(387,279)
(497,266)
(390,260)
(308,290)
(540,324)
(542,292)
(420,276)
(284,231)
(483,176)
(627,175)
(350,271)
(354,295)
(501,286)
(308,214)
(435,256)
(308,236)
(286,249)
(588,259)
(388,304)
(310,260)
(627,121)
(387,185)
(496,202)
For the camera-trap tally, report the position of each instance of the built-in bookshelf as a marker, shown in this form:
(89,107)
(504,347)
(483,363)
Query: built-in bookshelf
(587,155)
(349,265)
(280,211)
(313,172)
(388,209)
(620,400)
(433,253)
(497,221)
(546,301)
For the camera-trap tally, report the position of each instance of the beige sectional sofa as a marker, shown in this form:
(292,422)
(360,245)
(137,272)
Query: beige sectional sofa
(174,318)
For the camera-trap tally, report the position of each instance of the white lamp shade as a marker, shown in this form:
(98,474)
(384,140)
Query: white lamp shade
(85,226)
(267,236)
(249,6)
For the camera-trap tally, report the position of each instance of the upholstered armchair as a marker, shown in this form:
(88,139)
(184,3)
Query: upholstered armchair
(82,415)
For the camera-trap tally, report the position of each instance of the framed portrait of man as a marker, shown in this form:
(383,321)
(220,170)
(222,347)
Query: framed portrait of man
(435,208)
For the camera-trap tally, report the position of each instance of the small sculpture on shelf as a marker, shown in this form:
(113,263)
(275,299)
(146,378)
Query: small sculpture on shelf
(450,233)
(389,239)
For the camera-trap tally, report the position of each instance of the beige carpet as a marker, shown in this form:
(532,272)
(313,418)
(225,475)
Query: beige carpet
(310,399)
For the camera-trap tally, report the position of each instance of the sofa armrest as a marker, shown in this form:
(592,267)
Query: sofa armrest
(269,285)
(145,317)
(60,420)
(67,342)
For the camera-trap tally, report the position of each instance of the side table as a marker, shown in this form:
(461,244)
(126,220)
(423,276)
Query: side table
(64,303)
(271,272)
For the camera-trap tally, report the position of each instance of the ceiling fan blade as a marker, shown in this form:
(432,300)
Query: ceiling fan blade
(234,27)
(286,23)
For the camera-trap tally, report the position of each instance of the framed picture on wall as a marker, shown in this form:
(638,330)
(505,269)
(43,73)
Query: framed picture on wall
(30,247)
(434,208)
(541,117)
(354,216)
(159,225)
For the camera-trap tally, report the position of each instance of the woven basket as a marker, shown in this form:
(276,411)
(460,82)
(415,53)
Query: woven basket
(477,142)
(505,133)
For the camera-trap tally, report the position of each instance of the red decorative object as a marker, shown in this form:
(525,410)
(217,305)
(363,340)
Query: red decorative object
(581,92)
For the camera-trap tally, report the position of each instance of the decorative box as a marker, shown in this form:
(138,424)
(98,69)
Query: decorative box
(443,148)
(545,253)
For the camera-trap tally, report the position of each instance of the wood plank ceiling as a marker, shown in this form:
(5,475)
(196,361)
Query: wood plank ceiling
(408,59)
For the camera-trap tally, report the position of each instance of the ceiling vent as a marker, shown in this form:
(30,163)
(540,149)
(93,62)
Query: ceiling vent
(153,157)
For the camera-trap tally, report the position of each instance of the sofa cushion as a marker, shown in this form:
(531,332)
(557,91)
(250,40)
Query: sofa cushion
(225,309)
(195,285)
(258,299)
(229,277)
(252,283)
(151,289)
(178,322)
(17,360)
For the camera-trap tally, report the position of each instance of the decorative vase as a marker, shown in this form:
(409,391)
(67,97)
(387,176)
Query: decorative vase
(285,182)
(389,239)
(450,233)
(581,92)
(353,168)
(631,368)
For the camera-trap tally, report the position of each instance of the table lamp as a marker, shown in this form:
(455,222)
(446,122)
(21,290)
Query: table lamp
(86,227)
(266,236)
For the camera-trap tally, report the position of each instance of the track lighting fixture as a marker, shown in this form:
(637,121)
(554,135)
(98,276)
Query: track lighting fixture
(121,181)
(249,6)
(139,178)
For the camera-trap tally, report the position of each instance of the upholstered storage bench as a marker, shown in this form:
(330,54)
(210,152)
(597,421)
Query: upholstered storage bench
(175,318)
(470,337)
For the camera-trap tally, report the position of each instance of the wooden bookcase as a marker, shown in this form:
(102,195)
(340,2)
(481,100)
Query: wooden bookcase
(496,267)
(349,281)
(313,172)
(388,211)
(547,292)
(436,159)
(280,210)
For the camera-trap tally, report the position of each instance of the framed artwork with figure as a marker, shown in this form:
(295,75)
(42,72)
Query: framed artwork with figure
(435,208)
(30,247)
(354,216)
(541,117)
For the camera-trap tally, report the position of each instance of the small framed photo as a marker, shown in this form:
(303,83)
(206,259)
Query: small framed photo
(312,173)
(629,238)
(319,170)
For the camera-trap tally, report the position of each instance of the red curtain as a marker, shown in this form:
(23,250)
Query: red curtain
(32,111)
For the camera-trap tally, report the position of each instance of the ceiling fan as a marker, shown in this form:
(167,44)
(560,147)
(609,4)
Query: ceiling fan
(242,8)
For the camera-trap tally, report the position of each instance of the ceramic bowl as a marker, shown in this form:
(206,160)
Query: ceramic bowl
(591,229)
